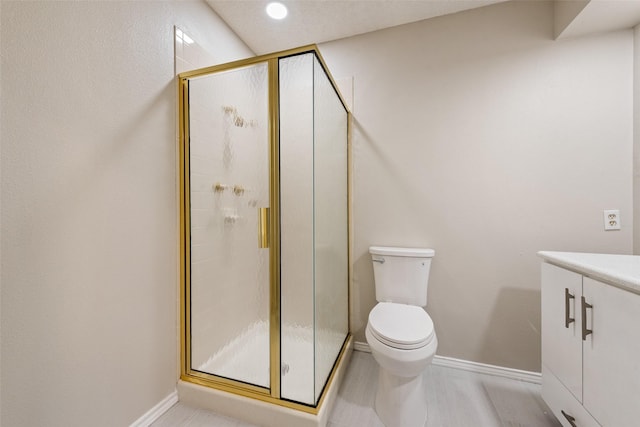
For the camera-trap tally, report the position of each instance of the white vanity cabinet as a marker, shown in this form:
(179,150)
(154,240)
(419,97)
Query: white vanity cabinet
(590,349)
(611,355)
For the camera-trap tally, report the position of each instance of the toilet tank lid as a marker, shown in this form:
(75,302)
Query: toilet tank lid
(408,252)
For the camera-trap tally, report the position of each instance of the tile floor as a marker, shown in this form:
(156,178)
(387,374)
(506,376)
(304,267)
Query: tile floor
(456,398)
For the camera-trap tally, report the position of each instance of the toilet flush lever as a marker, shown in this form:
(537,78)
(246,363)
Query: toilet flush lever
(381,261)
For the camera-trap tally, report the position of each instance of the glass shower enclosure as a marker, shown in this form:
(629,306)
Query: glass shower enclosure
(264,227)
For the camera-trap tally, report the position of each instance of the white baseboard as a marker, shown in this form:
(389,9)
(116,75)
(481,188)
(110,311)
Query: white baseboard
(483,368)
(361,346)
(156,412)
(480,368)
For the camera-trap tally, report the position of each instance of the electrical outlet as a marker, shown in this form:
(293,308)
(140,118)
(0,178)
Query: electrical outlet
(611,219)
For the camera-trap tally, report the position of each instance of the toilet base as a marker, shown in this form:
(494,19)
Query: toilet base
(401,401)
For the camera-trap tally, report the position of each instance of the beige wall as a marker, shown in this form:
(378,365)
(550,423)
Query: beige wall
(479,136)
(89,220)
(636,140)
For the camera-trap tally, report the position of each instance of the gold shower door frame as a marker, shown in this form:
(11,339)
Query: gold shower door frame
(271,394)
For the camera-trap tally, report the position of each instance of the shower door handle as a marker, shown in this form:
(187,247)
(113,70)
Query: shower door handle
(263,228)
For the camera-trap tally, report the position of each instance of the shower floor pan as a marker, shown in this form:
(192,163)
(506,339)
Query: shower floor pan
(246,359)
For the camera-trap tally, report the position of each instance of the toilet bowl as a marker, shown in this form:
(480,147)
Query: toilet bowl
(402,337)
(401,396)
(401,334)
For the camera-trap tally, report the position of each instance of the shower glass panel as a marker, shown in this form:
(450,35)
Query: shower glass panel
(296,241)
(331,247)
(314,227)
(229,183)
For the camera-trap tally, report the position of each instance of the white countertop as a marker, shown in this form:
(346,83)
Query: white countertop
(619,270)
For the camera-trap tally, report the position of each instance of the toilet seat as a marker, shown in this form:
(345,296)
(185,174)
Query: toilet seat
(401,326)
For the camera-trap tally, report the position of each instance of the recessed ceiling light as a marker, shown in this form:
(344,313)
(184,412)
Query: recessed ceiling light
(276,10)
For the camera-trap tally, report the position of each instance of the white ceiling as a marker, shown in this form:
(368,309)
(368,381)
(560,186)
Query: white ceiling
(317,21)
(603,15)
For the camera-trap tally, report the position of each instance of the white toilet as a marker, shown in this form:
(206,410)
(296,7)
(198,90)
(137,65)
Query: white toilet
(400,333)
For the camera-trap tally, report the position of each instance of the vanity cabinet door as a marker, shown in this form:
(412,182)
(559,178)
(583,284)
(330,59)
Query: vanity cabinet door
(611,355)
(562,344)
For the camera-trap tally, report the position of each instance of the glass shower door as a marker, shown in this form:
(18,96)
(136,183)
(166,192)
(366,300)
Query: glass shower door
(229,197)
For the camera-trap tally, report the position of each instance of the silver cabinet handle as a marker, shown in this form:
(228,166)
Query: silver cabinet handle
(569,418)
(585,331)
(567,318)
(381,261)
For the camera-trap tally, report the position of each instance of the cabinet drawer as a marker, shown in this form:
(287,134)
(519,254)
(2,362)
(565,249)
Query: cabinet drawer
(559,399)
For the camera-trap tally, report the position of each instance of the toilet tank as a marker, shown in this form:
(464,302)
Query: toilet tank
(401,274)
